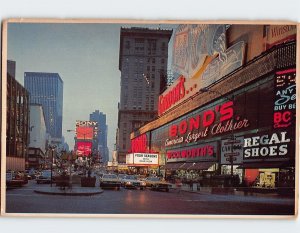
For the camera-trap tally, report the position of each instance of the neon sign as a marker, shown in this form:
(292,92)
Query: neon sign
(285,98)
(204,152)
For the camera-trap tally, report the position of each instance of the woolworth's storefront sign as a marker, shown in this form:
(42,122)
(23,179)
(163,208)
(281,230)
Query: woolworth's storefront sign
(203,152)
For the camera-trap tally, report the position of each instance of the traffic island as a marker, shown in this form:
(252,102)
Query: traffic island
(74,191)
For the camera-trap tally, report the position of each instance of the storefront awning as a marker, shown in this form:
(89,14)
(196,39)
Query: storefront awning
(189,166)
(258,165)
(201,166)
(173,166)
(185,166)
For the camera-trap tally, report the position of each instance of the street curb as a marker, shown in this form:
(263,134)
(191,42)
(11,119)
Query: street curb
(68,193)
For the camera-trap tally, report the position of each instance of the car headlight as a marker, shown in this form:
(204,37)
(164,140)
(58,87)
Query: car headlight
(143,183)
(128,183)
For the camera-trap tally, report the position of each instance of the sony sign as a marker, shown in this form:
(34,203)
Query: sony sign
(86,123)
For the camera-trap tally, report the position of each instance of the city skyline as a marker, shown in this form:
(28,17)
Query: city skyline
(86,53)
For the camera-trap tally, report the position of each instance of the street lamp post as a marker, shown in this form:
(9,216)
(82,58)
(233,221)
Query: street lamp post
(231,157)
(51,165)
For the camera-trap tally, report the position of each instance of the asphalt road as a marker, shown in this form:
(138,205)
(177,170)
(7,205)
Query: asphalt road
(24,200)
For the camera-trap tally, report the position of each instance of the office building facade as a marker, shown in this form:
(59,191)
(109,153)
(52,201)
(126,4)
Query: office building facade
(47,89)
(102,134)
(143,64)
(17,135)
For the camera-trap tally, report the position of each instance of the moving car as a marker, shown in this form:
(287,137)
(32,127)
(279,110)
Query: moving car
(110,181)
(131,181)
(45,177)
(156,183)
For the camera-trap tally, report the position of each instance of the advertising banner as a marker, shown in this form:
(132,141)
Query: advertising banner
(84,148)
(277,34)
(202,152)
(145,159)
(139,144)
(232,149)
(200,57)
(142,159)
(85,133)
(269,146)
(285,98)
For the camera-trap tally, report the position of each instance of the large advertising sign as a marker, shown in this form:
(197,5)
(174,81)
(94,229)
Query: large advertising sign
(139,144)
(272,147)
(86,133)
(84,148)
(201,57)
(211,122)
(277,34)
(203,152)
(142,159)
(285,98)
(232,151)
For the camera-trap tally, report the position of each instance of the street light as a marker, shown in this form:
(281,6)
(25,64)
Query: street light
(51,165)
(231,157)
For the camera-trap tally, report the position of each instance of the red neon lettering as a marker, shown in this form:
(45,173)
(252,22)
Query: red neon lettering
(194,123)
(226,111)
(208,118)
(173,131)
(210,150)
(286,116)
(183,127)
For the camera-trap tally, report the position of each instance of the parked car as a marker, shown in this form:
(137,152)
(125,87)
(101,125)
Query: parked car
(45,177)
(15,179)
(156,183)
(110,181)
(132,181)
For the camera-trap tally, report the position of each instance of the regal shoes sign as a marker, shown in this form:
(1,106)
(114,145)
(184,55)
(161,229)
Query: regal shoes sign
(275,146)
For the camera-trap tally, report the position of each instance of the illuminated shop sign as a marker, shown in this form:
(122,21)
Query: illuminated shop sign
(172,96)
(203,152)
(210,122)
(142,159)
(285,98)
(139,144)
(267,146)
(232,151)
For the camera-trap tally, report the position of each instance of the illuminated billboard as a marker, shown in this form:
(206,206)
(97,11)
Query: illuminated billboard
(84,148)
(86,133)
(142,159)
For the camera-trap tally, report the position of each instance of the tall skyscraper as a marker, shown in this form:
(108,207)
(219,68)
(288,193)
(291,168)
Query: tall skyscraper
(143,62)
(47,89)
(102,134)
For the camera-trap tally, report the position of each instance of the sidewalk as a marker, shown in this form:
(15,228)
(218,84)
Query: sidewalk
(232,193)
(74,191)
